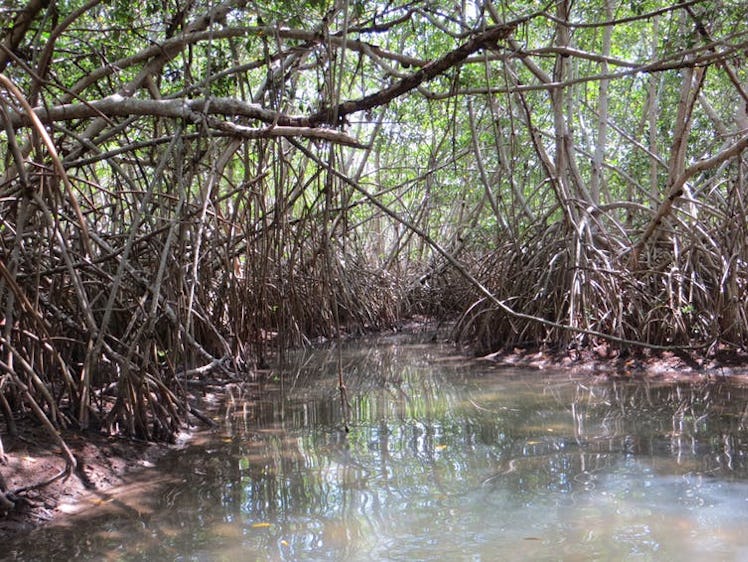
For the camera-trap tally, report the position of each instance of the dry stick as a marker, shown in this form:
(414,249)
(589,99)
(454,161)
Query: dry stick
(59,168)
(676,190)
(93,351)
(17,31)
(477,284)
(70,463)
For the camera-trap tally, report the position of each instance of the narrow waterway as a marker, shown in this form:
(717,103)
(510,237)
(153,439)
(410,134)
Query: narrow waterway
(444,459)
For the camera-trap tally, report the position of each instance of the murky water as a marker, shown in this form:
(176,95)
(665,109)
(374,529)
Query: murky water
(444,460)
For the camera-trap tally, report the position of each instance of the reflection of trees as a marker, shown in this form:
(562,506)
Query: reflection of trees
(673,428)
(425,435)
(422,435)
(701,427)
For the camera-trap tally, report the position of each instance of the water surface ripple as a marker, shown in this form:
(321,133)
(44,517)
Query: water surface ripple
(445,459)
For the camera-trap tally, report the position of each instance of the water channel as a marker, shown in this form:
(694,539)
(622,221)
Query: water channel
(446,459)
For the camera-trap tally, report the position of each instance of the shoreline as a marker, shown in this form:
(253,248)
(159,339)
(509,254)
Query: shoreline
(103,463)
(665,366)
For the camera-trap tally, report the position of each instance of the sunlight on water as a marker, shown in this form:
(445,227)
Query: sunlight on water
(445,460)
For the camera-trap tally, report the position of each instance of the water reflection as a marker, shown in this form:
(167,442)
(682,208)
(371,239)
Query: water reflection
(444,460)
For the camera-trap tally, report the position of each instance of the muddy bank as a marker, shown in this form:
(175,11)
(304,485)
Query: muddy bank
(32,458)
(647,364)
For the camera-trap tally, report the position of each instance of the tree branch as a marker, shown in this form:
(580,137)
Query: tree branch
(318,133)
(485,40)
(118,105)
(676,189)
(192,110)
(16,33)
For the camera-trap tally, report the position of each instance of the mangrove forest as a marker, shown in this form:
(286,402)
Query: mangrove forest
(190,187)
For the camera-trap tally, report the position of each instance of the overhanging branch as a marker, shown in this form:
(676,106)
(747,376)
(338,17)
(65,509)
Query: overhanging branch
(486,40)
(119,105)
(317,133)
(193,111)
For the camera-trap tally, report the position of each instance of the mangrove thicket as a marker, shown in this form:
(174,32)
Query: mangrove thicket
(188,185)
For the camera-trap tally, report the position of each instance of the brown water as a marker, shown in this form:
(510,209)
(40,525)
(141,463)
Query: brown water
(444,460)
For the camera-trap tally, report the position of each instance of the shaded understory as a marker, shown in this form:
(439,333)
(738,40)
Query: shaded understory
(526,304)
